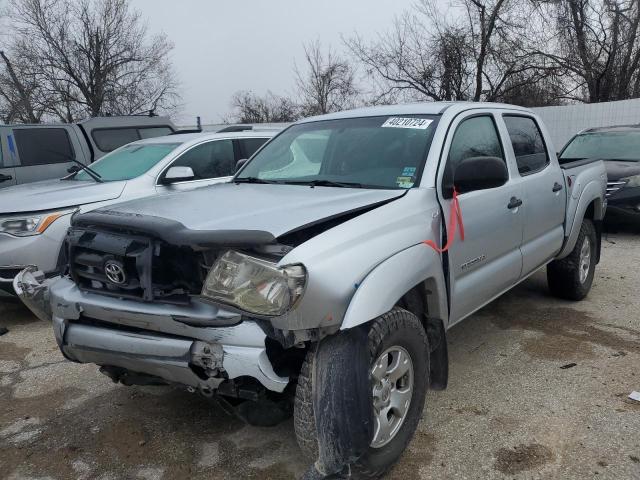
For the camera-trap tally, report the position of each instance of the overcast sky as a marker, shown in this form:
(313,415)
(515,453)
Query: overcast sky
(225,46)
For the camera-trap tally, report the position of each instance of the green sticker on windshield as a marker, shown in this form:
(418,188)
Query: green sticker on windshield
(404,182)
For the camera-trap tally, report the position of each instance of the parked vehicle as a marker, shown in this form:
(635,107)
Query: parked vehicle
(309,272)
(34,218)
(619,147)
(30,153)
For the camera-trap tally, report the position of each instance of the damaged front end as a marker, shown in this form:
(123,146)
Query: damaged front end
(198,346)
(33,289)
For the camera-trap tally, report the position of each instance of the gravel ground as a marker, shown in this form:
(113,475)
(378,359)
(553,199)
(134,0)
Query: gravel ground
(511,410)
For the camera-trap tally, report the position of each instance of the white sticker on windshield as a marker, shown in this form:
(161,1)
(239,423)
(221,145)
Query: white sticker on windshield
(399,122)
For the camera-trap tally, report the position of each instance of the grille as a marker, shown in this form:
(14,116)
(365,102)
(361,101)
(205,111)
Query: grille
(613,187)
(136,267)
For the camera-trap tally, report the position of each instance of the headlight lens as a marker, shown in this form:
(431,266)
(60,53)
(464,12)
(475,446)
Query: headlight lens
(27,225)
(632,181)
(254,285)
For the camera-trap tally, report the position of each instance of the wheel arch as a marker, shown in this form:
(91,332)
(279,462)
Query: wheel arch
(590,205)
(412,279)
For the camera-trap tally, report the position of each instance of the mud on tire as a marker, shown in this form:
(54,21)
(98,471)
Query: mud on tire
(395,328)
(564,276)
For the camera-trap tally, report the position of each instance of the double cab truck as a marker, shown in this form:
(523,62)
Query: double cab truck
(30,153)
(330,268)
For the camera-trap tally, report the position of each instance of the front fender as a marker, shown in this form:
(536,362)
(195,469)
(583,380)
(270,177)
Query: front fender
(591,192)
(388,282)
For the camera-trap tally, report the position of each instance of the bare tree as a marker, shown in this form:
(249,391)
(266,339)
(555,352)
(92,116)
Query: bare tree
(597,43)
(413,61)
(476,53)
(250,108)
(327,83)
(94,57)
(19,92)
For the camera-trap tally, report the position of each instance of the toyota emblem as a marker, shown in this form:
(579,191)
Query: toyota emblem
(115,272)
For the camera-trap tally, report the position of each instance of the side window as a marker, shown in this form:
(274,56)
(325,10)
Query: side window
(249,146)
(528,144)
(43,146)
(1,158)
(474,137)
(152,132)
(209,160)
(108,139)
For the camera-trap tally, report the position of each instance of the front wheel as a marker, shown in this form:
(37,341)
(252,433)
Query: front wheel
(399,375)
(571,278)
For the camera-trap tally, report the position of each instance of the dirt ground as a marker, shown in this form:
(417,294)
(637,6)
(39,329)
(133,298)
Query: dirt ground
(511,410)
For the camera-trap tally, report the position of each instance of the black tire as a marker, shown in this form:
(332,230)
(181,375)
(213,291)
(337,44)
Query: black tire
(395,328)
(563,276)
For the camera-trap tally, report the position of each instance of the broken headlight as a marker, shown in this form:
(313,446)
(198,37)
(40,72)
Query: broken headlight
(29,224)
(254,285)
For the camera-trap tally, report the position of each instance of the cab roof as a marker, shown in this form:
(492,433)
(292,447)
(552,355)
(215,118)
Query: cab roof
(419,108)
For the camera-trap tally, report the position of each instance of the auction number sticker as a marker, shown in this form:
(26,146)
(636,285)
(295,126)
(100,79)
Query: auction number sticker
(407,122)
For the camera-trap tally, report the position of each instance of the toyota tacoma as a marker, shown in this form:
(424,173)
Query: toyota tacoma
(330,268)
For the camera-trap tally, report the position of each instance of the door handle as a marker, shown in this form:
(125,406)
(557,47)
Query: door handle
(514,203)
(5,178)
(556,187)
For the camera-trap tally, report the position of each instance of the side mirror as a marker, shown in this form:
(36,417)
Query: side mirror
(240,163)
(480,173)
(178,174)
(73,169)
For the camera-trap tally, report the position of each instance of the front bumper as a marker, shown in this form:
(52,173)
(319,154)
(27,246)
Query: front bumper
(198,346)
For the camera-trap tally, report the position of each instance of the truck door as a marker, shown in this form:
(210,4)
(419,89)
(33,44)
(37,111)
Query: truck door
(489,260)
(7,171)
(544,196)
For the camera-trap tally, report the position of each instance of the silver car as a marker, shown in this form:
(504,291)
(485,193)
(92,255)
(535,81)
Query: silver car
(330,268)
(34,217)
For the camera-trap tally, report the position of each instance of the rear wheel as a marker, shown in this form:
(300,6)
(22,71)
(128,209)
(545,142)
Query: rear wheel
(571,278)
(399,375)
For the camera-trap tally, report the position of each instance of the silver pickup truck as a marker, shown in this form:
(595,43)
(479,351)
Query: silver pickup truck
(330,268)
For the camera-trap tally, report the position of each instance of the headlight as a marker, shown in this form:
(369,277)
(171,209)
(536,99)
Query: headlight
(632,181)
(254,285)
(27,225)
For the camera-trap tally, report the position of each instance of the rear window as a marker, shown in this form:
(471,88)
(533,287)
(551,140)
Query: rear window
(43,146)
(108,139)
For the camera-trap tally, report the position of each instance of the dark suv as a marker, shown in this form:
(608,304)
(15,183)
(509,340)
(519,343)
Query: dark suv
(619,147)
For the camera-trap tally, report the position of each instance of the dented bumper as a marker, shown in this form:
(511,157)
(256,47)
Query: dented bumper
(197,345)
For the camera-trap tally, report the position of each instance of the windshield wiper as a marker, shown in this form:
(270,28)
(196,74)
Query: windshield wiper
(254,180)
(329,183)
(92,173)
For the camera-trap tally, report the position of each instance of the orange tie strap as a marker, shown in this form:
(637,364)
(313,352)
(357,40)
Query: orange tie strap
(455,218)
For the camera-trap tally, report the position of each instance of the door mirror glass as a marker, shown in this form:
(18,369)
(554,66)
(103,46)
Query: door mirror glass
(240,163)
(480,173)
(178,174)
